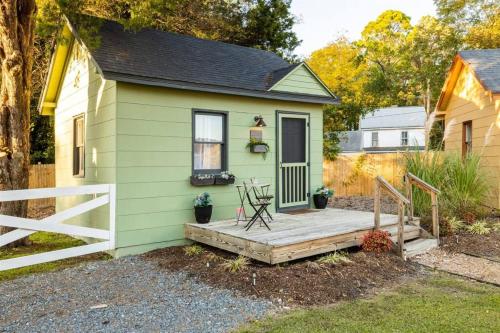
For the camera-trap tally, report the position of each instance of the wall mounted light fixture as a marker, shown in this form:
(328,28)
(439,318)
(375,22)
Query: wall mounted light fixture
(259,121)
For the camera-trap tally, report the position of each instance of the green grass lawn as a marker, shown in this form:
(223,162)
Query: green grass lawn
(44,242)
(438,304)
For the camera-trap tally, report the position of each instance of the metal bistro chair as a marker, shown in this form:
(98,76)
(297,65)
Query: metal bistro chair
(259,206)
(261,192)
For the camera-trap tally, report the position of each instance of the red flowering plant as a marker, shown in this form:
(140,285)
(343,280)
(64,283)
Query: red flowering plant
(377,241)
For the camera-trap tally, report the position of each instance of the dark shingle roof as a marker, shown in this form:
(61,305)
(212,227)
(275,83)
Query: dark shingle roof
(486,65)
(162,58)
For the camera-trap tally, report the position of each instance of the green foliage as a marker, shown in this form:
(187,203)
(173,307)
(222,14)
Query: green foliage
(236,265)
(438,304)
(325,191)
(334,258)
(454,224)
(479,228)
(203,200)
(463,185)
(477,21)
(193,250)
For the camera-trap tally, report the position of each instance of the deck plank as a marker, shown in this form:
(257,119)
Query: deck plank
(293,236)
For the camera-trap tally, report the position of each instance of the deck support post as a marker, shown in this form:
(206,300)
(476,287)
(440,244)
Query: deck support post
(376,204)
(435,216)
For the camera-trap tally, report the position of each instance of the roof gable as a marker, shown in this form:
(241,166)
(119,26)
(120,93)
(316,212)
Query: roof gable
(485,66)
(299,78)
(57,69)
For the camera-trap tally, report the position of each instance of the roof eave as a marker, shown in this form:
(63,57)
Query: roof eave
(304,98)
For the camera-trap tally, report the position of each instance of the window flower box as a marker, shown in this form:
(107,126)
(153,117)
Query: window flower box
(225,178)
(202,180)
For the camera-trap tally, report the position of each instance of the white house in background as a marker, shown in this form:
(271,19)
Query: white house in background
(388,130)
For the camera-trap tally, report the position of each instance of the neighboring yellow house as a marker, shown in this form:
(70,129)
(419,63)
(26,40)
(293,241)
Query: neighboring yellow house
(470,105)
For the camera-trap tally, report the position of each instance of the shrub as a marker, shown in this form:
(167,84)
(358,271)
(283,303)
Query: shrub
(236,265)
(454,224)
(193,250)
(377,241)
(334,259)
(464,186)
(479,228)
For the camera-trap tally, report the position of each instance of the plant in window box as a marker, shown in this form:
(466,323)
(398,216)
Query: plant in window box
(203,208)
(258,146)
(321,197)
(202,179)
(224,178)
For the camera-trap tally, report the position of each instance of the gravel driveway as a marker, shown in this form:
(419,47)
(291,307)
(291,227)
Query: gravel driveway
(123,295)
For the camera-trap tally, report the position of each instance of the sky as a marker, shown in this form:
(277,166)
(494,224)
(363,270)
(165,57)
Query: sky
(322,21)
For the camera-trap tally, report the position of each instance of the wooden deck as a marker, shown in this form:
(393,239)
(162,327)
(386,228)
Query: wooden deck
(295,236)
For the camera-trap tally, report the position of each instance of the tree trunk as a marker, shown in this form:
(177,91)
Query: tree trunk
(17,21)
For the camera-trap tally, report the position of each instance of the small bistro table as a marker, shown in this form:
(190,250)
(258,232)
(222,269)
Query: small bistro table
(243,192)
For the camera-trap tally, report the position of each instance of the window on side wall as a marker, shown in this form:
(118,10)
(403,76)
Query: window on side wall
(79,146)
(404,138)
(374,139)
(466,138)
(209,142)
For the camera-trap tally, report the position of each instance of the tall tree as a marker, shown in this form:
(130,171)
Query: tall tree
(345,73)
(17,33)
(478,21)
(383,43)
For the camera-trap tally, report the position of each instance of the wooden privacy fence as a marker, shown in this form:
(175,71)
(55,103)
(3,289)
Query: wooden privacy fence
(353,174)
(41,176)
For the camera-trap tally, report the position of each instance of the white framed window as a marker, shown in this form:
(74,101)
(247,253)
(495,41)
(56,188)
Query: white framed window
(404,138)
(209,142)
(79,146)
(374,139)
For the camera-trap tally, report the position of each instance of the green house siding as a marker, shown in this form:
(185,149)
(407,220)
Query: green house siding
(83,91)
(301,81)
(153,159)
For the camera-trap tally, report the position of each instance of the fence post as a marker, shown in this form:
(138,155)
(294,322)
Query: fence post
(376,204)
(112,216)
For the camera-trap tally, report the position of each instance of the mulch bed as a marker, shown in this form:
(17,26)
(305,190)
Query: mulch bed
(297,283)
(387,205)
(486,246)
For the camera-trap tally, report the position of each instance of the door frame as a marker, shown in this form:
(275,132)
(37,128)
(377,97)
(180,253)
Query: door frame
(277,161)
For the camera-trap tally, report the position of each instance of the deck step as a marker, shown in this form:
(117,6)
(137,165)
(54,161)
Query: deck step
(411,232)
(420,246)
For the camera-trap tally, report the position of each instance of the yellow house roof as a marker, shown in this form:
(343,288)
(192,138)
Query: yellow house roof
(483,64)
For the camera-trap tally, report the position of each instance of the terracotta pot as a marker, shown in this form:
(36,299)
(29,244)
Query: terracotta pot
(203,214)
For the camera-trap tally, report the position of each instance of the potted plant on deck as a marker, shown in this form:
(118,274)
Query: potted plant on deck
(321,197)
(203,208)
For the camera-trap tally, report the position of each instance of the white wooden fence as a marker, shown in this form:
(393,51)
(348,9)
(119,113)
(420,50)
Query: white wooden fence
(103,194)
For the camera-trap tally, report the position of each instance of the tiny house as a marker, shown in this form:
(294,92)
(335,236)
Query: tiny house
(470,106)
(148,110)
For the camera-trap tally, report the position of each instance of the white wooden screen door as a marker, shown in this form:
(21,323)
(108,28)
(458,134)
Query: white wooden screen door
(293,160)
